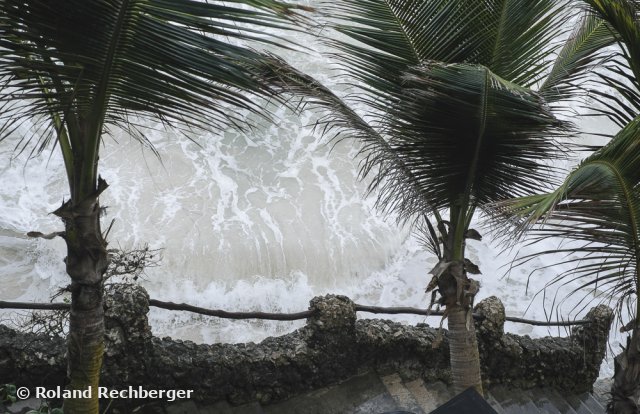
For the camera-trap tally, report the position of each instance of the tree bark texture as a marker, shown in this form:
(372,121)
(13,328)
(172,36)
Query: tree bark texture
(86,263)
(625,389)
(458,292)
(463,350)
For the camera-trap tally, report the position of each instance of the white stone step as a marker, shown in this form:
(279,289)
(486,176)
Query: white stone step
(429,396)
(402,396)
(425,398)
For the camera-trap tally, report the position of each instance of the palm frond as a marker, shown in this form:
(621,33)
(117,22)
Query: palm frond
(379,161)
(617,88)
(88,64)
(622,15)
(381,41)
(582,53)
(458,131)
(515,39)
(179,60)
(597,209)
(465,132)
(520,38)
(616,91)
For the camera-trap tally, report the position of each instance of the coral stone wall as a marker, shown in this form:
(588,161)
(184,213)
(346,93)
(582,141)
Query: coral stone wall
(331,347)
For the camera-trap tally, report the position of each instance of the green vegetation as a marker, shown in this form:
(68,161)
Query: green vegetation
(597,207)
(465,103)
(463,99)
(8,394)
(78,68)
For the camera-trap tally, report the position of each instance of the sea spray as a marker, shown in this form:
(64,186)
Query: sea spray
(263,220)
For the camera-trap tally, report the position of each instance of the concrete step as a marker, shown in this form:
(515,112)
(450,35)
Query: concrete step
(425,397)
(346,397)
(513,402)
(401,394)
(585,404)
(221,407)
(371,394)
(602,391)
(590,401)
(382,403)
(494,403)
(251,408)
(542,401)
(581,405)
(440,392)
(559,401)
(529,406)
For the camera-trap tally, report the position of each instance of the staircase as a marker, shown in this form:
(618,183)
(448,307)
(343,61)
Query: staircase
(420,398)
(373,394)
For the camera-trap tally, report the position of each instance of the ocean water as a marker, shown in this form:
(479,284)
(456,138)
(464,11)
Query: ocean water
(263,220)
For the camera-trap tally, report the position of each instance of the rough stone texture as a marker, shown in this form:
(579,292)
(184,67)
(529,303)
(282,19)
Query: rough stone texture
(333,314)
(393,347)
(27,358)
(492,327)
(571,364)
(331,347)
(127,335)
(593,339)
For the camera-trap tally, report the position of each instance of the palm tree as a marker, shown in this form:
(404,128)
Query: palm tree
(78,68)
(597,206)
(462,99)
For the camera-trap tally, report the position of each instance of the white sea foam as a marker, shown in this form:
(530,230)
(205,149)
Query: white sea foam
(260,221)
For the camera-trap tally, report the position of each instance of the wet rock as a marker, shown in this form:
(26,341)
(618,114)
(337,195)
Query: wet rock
(571,364)
(127,335)
(330,348)
(492,325)
(27,358)
(332,314)
(592,338)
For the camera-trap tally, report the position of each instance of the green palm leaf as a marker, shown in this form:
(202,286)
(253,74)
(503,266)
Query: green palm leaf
(598,208)
(617,88)
(81,67)
(453,122)
(514,38)
(470,137)
(83,63)
(622,16)
(583,52)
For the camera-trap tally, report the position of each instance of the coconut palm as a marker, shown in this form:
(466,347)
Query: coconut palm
(462,98)
(597,207)
(79,68)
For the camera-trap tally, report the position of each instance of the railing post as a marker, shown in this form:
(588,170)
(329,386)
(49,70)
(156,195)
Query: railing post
(593,338)
(128,334)
(490,332)
(491,326)
(331,334)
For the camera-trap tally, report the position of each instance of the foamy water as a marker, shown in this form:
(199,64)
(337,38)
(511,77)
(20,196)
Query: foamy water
(258,221)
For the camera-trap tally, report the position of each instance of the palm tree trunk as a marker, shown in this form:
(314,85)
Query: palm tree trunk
(463,351)
(86,264)
(457,292)
(625,389)
(85,349)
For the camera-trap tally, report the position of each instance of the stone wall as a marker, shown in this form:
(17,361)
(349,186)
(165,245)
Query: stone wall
(571,364)
(332,346)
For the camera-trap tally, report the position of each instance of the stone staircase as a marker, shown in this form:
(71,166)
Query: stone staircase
(373,394)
